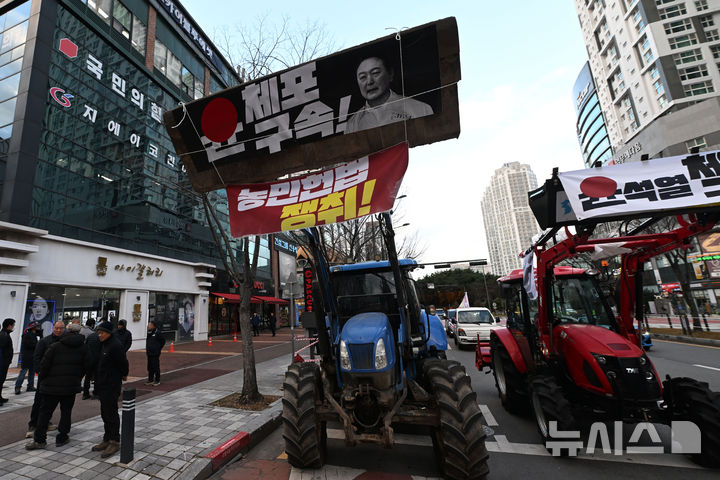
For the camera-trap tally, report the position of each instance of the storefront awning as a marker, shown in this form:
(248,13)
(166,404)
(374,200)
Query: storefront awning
(235,298)
(271,300)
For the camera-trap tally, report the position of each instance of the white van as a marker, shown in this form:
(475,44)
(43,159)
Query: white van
(471,322)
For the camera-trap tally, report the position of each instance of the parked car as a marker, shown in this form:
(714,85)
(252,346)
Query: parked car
(450,323)
(471,322)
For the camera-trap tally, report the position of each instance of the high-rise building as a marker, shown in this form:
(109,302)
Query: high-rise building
(97,215)
(591,131)
(509,222)
(655,65)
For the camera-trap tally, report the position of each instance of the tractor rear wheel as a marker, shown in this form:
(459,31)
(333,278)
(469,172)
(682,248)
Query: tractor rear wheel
(550,404)
(305,435)
(459,441)
(693,401)
(508,380)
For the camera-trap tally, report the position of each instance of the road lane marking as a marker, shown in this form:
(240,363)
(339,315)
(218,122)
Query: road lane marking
(705,366)
(489,418)
(686,343)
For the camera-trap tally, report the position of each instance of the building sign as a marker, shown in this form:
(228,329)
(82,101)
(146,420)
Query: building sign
(183,20)
(623,157)
(283,245)
(140,269)
(307,287)
(355,189)
(324,112)
(664,184)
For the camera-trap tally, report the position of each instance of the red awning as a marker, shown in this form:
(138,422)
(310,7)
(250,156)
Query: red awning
(271,300)
(235,298)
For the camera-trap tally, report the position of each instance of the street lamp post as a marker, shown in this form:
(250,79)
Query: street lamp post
(482,263)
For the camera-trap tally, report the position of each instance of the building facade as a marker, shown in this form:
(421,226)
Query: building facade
(509,222)
(97,215)
(655,65)
(590,127)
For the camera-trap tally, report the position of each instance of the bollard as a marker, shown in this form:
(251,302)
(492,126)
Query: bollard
(669,321)
(127,434)
(707,327)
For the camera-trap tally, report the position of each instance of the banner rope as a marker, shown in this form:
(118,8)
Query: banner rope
(217,172)
(398,37)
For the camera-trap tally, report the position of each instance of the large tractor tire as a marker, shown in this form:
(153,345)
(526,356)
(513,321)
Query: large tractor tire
(459,441)
(549,403)
(508,381)
(305,435)
(693,401)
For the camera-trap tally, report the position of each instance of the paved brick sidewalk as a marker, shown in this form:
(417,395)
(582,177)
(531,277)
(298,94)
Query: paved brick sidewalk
(173,433)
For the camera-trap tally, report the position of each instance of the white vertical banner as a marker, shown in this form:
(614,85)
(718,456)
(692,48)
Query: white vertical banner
(465,302)
(529,276)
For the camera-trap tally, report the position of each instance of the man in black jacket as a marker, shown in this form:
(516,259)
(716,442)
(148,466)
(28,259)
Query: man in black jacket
(112,369)
(42,347)
(61,371)
(153,346)
(27,351)
(6,352)
(124,335)
(94,346)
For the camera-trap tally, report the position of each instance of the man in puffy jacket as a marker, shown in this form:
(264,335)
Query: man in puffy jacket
(153,347)
(27,351)
(112,369)
(6,352)
(57,331)
(61,371)
(124,335)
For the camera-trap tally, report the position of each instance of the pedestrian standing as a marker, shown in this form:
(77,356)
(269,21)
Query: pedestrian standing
(112,369)
(6,352)
(255,320)
(94,347)
(27,351)
(153,347)
(61,371)
(88,328)
(123,335)
(43,345)
(272,323)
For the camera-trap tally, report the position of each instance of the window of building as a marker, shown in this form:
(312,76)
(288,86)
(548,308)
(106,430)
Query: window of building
(701,5)
(699,88)
(696,142)
(662,101)
(171,66)
(678,26)
(707,21)
(688,56)
(715,50)
(114,13)
(683,41)
(672,11)
(690,73)
(712,35)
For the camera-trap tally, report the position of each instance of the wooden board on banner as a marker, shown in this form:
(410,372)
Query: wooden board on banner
(257,164)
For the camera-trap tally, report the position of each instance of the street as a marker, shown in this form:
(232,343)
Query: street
(512,441)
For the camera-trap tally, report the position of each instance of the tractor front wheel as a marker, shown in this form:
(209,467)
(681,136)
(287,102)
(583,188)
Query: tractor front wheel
(508,381)
(459,441)
(690,400)
(550,404)
(305,435)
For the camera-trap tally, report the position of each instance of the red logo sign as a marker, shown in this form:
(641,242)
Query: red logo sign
(59,95)
(68,48)
(307,282)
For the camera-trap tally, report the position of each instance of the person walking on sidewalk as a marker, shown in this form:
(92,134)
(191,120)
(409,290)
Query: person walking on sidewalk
(271,319)
(94,346)
(6,352)
(58,330)
(124,335)
(153,347)
(112,369)
(27,352)
(61,371)
(255,320)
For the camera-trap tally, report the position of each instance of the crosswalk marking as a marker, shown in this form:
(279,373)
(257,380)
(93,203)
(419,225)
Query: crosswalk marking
(489,418)
(705,366)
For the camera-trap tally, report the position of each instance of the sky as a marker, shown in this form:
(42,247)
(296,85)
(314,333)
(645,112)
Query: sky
(519,62)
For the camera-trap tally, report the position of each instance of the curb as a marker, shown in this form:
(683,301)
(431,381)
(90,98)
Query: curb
(230,450)
(685,339)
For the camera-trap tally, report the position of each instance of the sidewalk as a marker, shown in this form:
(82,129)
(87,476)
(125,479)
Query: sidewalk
(173,432)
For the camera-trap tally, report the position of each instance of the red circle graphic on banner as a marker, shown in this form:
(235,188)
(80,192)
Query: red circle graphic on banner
(598,187)
(219,119)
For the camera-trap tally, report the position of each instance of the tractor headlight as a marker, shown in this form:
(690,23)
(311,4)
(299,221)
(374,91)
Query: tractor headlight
(600,359)
(344,356)
(642,360)
(649,376)
(380,355)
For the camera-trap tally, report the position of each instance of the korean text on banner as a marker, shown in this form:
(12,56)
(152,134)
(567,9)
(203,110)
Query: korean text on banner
(355,189)
(661,184)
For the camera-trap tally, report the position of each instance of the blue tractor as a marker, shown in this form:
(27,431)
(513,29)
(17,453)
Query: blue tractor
(381,364)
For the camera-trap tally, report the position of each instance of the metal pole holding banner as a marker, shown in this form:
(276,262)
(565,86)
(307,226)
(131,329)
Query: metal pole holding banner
(127,436)
(292,318)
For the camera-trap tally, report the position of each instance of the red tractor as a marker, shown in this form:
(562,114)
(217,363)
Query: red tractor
(568,356)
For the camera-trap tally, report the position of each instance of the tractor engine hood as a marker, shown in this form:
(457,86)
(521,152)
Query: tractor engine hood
(361,335)
(365,328)
(602,341)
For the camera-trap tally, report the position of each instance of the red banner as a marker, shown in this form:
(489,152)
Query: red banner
(354,189)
